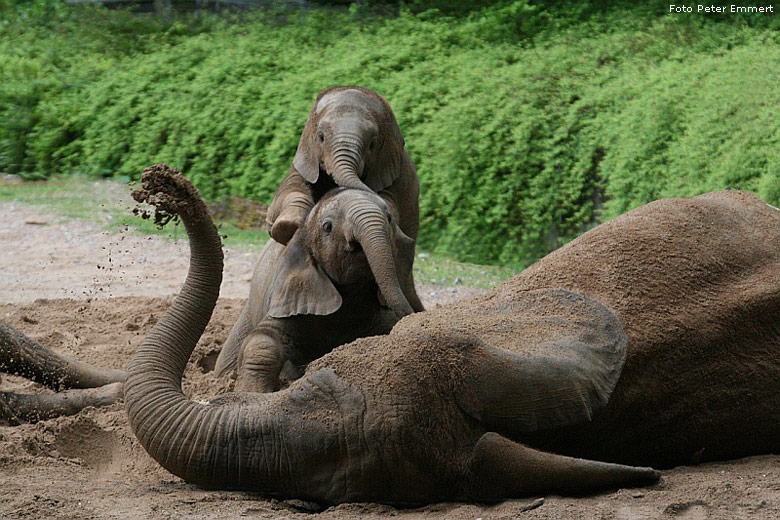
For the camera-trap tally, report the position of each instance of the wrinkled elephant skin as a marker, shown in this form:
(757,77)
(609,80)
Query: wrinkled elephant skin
(648,339)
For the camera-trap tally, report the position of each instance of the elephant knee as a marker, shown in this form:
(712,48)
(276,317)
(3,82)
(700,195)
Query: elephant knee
(261,361)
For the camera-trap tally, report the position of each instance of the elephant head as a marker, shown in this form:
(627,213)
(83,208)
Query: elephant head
(352,136)
(348,239)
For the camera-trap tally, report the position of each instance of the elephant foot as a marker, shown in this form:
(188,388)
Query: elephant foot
(284,228)
(295,206)
(260,362)
(19,408)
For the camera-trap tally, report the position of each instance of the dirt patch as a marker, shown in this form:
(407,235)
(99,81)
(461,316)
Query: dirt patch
(43,256)
(90,465)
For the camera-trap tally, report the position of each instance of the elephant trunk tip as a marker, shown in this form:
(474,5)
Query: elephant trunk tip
(403,307)
(170,193)
(352,181)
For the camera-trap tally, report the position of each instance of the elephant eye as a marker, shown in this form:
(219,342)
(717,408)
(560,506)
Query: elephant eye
(321,137)
(389,218)
(327,226)
(372,144)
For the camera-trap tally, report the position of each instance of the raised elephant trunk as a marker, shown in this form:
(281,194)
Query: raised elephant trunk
(345,164)
(161,417)
(372,231)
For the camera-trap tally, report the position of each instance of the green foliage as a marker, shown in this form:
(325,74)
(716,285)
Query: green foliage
(51,52)
(528,124)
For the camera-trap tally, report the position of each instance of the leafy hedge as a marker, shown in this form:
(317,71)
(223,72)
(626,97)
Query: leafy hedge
(527,125)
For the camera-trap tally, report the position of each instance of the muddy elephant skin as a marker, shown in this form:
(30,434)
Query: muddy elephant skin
(649,339)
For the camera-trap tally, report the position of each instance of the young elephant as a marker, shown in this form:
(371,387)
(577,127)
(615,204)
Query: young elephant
(320,291)
(351,139)
(670,350)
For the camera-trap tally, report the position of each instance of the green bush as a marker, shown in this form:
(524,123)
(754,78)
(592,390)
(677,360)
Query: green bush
(528,124)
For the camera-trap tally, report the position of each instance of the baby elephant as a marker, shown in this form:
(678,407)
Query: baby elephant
(335,281)
(351,140)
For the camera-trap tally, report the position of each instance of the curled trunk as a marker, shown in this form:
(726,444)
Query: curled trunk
(372,231)
(160,415)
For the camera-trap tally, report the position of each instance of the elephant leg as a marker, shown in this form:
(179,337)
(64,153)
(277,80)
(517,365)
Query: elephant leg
(22,356)
(18,408)
(261,361)
(228,356)
(501,468)
(294,207)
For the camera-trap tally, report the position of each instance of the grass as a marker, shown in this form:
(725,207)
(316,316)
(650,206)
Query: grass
(438,269)
(108,204)
(65,196)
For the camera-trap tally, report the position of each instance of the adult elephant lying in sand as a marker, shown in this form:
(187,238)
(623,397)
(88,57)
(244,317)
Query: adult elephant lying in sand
(669,348)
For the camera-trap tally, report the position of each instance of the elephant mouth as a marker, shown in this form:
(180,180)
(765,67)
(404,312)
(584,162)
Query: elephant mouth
(324,184)
(356,268)
(355,248)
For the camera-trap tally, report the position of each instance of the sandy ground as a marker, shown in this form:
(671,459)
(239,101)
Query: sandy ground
(93,295)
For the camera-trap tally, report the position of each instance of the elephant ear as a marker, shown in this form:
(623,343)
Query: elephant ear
(300,285)
(390,159)
(387,164)
(306,160)
(404,254)
(560,357)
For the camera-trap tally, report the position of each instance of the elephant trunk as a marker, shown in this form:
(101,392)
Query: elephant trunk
(189,439)
(345,162)
(372,231)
